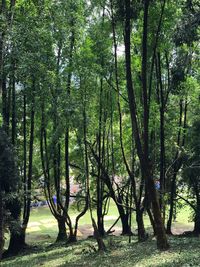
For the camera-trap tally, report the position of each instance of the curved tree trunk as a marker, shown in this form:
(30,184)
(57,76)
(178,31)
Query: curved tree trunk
(124,218)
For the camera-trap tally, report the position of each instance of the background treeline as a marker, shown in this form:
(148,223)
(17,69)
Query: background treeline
(106,91)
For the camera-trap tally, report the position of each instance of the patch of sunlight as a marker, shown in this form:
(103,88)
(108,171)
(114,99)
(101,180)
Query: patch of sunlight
(49,224)
(53,263)
(79,233)
(110,218)
(33,229)
(164,259)
(32,224)
(47,221)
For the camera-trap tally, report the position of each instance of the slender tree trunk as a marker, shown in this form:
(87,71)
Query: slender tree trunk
(4,104)
(177,163)
(142,236)
(151,220)
(7,16)
(1,223)
(101,147)
(28,182)
(17,236)
(100,222)
(171,203)
(162,103)
(72,235)
(58,209)
(142,151)
(162,162)
(13,106)
(69,80)
(25,154)
(124,219)
(62,235)
(126,230)
(162,242)
(67,176)
(2,72)
(2,11)
(125,222)
(98,237)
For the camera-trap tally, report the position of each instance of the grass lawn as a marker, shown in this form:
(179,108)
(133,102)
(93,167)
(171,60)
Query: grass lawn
(183,252)
(42,231)
(43,226)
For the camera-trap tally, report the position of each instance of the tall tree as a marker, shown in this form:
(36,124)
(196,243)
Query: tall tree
(142,139)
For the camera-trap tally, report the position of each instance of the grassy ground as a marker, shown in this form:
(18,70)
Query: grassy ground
(43,226)
(183,252)
(42,231)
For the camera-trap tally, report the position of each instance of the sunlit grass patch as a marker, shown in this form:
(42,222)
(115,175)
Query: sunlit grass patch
(182,252)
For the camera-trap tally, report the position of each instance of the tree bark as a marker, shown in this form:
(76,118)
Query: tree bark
(162,242)
(2,73)
(16,232)
(100,222)
(142,151)
(1,223)
(177,163)
(151,220)
(98,237)
(124,219)
(13,105)
(142,236)
(27,204)
(16,243)
(62,235)
(162,103)
(69,80)
(197,219)
(137,200)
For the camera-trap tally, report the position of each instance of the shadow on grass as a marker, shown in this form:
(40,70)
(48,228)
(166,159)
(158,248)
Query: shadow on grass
(186,253)
(119,253)
(41,255)
(33,259)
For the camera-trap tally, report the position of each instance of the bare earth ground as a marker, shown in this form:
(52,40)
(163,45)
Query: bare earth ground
(86,230)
